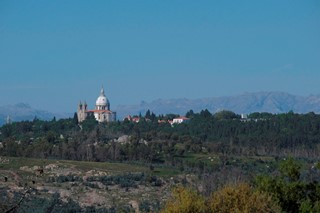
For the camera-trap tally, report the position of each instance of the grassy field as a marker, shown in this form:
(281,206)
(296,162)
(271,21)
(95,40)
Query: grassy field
(114,168)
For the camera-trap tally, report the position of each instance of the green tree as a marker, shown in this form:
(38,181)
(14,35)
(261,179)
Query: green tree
(148,114)
(225,114)
(75,118)
(190,114)
(290,169)
(89,123)
(292,193)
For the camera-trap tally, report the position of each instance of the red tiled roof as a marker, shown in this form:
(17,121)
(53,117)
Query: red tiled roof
(183,118)
(136,119)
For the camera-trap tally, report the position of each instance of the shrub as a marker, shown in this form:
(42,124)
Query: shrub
(241,198)
(185,200)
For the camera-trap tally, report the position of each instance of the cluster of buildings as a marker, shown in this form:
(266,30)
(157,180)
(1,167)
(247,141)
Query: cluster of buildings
(103,114)
(177,120)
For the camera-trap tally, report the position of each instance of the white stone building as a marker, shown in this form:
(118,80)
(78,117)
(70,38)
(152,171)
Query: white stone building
(102,112)
(180,120)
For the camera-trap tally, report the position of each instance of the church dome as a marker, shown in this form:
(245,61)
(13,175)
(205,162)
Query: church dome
(102,99)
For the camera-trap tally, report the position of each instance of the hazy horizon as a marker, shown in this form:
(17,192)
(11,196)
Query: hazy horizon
(115,107)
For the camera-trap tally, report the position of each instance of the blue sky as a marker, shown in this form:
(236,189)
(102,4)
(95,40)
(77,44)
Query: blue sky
(54,53)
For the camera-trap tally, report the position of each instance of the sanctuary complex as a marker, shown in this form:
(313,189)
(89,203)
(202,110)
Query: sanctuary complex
(102,112)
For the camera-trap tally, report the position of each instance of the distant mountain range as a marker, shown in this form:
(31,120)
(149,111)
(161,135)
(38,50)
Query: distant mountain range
(274,102)
(22,111)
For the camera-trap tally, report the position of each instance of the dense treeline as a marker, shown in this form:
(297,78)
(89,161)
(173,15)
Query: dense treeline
(150,141)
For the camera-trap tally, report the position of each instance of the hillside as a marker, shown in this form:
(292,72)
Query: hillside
(82,186)
(55,166)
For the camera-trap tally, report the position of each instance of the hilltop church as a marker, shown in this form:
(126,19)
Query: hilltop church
(101,113)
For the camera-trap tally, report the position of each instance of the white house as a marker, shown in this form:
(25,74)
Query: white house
(180,120)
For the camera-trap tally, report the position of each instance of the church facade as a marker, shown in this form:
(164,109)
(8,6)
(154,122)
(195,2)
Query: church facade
(102,112)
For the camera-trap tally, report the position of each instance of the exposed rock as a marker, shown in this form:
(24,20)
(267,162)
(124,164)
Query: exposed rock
(26,169)
(51,167)
(135,205)
(4,160)
(123,139)
(92,198)
(142,141)
(34,168)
